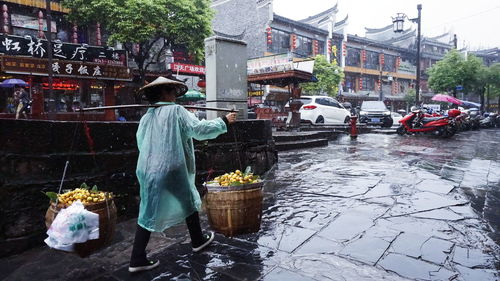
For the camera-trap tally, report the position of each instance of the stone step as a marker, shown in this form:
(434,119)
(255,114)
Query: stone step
(298,136)
(301,144)
(362,128)
(385,131)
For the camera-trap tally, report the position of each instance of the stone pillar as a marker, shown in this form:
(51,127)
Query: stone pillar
(109,100)
(226,75)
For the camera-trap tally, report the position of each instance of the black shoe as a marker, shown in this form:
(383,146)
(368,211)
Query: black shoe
(207,239)
(143,267)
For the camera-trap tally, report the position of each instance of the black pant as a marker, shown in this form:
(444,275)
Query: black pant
(142,238)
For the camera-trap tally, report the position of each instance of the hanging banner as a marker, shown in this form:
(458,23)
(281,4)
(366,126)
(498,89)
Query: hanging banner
(28,22)
(33,47)
(269,64)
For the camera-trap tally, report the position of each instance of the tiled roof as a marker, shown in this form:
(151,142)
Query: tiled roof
(326,12)
(299,24)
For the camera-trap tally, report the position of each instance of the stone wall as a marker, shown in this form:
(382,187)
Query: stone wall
(33,155)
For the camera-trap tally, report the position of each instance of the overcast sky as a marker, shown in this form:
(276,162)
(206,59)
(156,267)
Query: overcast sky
(476,23)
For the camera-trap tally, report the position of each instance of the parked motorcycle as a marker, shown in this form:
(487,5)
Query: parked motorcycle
(489,121)
(416,122)
(474,119)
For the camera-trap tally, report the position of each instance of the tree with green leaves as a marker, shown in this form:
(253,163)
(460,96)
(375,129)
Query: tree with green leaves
(410,97)
(153,25)
(329,76)
(454,70)
(493,83)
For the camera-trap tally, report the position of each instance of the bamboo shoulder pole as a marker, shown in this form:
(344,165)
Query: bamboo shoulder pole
(154,105)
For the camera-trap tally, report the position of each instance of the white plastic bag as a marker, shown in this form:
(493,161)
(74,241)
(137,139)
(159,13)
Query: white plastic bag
(72,225)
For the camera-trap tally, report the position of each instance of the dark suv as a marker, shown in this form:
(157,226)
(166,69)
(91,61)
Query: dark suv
(375,113)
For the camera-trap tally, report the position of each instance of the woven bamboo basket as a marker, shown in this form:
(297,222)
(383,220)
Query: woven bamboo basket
(107,225)
(235,210)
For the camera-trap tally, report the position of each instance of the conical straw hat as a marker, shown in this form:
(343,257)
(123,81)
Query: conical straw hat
(180,87)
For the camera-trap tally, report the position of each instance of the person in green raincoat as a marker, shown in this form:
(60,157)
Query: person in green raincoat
(166,168)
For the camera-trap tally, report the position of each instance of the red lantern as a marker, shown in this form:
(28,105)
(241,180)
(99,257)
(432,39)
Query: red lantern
(363,55)
(379,84)
(294,41)
(395,87)
(361,83)
(202,83)
(5,16)
(344,49)
(40,24)
(381,59)
(316,48)
(75,34)
(329,46)
(269,35)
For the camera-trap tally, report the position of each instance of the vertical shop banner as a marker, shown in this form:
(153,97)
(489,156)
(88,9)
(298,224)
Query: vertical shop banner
(37,48)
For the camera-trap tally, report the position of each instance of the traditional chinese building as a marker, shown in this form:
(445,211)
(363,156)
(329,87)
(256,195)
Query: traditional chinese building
(84,72)
(376,71)
(269,34)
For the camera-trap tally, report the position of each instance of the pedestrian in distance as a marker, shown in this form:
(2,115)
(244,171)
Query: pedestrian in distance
(24,101)
(166,168)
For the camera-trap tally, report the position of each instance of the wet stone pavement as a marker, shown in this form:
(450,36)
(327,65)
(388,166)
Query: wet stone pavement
(384,207)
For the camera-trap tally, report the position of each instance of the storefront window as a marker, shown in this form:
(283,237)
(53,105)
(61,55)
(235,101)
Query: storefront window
(321,47)
(303,46)
(70,95)
(349,83)
(353,57)
(389,63)
(281,42)
(372,60)
(368,83)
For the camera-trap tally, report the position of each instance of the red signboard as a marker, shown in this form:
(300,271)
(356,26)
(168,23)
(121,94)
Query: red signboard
(187,68)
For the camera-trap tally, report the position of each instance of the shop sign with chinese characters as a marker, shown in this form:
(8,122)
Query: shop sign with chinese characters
(34,47)
(187,68)
(33,66)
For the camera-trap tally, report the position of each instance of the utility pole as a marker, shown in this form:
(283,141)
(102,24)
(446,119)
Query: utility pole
(417,86)
(381,93)
(49,54)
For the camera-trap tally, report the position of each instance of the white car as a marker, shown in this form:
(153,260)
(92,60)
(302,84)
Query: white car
(396,117)
(323,109)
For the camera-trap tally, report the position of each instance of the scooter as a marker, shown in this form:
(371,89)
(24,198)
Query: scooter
(417,122)
(489,121)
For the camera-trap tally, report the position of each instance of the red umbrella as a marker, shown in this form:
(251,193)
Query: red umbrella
(446,98)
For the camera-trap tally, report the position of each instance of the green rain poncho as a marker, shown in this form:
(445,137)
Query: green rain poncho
(166,164)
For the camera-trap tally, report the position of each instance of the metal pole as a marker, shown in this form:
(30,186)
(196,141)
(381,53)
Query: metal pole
(417,86)
(381,94)
(49,53)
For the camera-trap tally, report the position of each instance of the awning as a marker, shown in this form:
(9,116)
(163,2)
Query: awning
(281,79)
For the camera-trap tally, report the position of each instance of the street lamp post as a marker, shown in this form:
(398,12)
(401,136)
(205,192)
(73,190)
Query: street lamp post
(398,27)
(49,54)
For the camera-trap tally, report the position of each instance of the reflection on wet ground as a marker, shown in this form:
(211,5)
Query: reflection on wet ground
(382,207)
